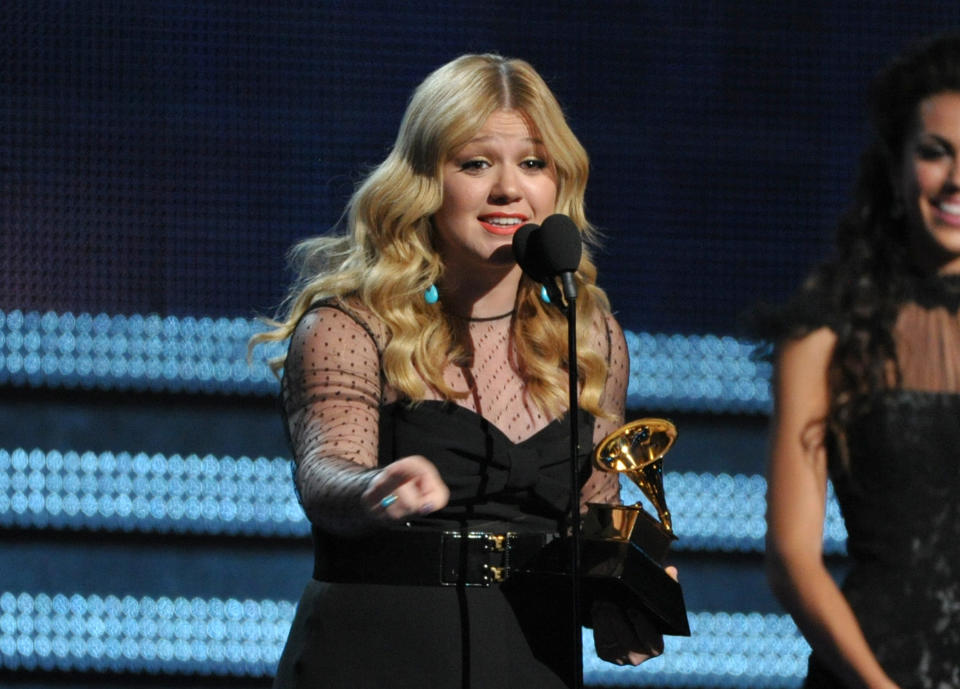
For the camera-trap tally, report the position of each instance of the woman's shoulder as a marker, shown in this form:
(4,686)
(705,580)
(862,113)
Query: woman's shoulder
(347,313)
(804,361)
(608,321)
(606,332)
(815,344)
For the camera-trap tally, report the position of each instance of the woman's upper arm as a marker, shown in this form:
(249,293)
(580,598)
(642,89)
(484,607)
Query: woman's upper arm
(331,389)
(604,486)
(797,472)
(614,398)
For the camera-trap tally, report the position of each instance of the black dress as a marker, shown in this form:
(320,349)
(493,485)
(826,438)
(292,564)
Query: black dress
(370,635)
(901,504)
(511,635)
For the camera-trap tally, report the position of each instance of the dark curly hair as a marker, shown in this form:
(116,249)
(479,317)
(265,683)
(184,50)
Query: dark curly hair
(859,291)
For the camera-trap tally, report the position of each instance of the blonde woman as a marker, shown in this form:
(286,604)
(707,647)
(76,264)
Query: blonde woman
(425,397)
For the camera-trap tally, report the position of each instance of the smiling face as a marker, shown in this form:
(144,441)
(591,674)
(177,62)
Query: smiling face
(501,179)
(930,183)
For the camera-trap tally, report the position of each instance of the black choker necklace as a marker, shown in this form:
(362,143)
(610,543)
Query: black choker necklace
(487,318)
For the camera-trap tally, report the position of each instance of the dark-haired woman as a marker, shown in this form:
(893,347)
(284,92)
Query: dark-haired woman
(867,393)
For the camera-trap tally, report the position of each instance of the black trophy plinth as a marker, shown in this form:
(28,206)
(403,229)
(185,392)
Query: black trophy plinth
(629,571)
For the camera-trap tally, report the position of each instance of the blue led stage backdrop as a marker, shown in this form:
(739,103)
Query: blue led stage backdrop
(160,157)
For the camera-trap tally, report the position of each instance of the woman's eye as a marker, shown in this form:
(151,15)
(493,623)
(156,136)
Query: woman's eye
(534,164)
(931,151)
(475,164)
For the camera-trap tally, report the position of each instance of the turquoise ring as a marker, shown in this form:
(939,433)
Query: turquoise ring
(387,501)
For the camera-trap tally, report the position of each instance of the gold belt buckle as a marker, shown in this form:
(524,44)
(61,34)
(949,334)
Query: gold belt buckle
(498,575)
(496,542)
(485,548)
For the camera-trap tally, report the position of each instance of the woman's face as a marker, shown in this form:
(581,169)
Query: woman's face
(931,183)
(501,179)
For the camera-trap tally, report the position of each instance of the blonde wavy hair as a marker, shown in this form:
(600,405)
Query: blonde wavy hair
(386,256)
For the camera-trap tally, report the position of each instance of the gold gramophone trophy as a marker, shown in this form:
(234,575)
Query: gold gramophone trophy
(623,546)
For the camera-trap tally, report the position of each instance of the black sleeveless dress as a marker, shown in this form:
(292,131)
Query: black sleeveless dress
(514,635)
(901,504)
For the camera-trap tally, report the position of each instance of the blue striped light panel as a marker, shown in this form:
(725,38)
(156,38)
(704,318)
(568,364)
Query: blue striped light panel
(696,373)
(226,495)
(232,637)
(127,634)
(668,372)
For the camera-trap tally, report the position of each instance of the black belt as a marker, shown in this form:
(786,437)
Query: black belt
(427,558)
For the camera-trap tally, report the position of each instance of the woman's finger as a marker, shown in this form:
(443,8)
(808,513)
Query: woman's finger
(399,504)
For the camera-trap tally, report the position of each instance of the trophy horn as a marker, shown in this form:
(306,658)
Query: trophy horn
(636,450)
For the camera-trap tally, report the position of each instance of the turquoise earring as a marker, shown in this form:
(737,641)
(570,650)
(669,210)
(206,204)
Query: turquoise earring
(431,295)
(544,295)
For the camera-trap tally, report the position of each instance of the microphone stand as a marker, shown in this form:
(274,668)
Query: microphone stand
(570,296)
(544,260)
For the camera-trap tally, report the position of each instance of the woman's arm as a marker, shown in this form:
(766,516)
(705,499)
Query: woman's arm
(331,396)
(603,486)
(796,503)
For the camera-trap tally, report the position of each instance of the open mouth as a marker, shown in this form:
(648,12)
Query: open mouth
(502,223)
(948,212)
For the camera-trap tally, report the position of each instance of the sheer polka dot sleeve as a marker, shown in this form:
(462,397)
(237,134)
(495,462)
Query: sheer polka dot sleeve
(604,486)
(331,398)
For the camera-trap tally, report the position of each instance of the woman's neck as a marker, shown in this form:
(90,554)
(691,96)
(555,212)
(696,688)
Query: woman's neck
(468,297)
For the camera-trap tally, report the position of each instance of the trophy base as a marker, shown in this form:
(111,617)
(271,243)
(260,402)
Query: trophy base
(622,553)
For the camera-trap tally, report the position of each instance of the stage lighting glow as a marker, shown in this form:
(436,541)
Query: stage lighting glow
(255,497)
(706,373)
(231,637)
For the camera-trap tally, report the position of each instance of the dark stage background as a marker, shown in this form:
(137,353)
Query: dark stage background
(157,159)
(162,156)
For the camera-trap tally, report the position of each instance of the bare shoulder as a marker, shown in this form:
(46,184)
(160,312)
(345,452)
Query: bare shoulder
(807,356)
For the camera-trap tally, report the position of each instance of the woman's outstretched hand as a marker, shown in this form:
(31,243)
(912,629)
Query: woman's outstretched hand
(625,637)
(408,486)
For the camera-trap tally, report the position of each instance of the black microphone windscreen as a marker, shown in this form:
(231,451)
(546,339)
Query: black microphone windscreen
(560,244)
(526,253)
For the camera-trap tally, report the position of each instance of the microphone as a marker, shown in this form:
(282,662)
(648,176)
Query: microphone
(550,250)
(561,247)
(529,257)
(528,260)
